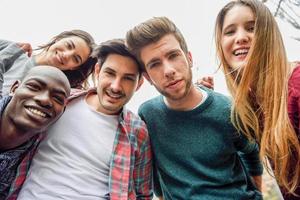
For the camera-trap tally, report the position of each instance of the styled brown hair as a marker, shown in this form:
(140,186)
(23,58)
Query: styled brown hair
(152,31)
(114,46)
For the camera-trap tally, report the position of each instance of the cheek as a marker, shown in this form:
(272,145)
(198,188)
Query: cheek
(225,44)
(155,75)
(226,49)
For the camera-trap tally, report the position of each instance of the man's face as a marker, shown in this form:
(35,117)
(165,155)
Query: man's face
(38,101)
(168,67)
(118,79)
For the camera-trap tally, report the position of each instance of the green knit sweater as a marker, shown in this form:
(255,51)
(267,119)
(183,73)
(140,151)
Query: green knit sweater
(198,154)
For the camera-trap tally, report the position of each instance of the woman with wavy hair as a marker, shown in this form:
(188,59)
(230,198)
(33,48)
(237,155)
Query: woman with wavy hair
(70,51)
(262,83)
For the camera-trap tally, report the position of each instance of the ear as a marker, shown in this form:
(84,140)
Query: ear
(190,58)
(145,74)
(14,87)
(140,83)
(97,70)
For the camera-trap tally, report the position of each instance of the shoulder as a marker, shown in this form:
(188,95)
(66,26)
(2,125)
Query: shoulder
(4,43)
(218,98)
(151,104)
(294,79)
(135,124)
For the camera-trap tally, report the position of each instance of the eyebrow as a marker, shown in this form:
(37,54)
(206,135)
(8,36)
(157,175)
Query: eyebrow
(153,60)
(44,84)
(114,71)
(74,47)
(173,51)
(167,54)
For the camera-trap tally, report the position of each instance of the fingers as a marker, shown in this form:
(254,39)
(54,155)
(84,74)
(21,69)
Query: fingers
(26,47)
(207,81)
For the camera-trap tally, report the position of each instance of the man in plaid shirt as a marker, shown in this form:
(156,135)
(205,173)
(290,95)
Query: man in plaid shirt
(98,149)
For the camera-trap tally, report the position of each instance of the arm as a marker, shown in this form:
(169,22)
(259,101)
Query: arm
(249,155)
(8,55)
(143,166)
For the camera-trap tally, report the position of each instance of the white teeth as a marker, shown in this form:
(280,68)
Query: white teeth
(37,112)
(241,51)
(114,95)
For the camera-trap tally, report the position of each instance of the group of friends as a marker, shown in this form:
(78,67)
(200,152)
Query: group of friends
(62,139)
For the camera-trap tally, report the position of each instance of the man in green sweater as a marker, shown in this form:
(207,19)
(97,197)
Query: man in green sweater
(197,152)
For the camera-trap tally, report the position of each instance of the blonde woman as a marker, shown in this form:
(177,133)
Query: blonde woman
(263,85)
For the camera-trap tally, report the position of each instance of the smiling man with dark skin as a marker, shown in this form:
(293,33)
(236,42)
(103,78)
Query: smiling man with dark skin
(33,104)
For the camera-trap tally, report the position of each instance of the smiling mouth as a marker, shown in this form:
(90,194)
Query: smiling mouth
(241,52)
(38,112)
(114,95)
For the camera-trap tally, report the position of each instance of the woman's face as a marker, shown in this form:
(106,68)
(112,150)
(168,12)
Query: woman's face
(237,35)
(67,53)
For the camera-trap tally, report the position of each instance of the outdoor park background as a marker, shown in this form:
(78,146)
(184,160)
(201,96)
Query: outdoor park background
(37,21)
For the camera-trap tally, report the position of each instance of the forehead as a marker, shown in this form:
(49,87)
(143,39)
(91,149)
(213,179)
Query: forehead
(164,45)
(238,13)
(48,78)
(120,64)
(75,39)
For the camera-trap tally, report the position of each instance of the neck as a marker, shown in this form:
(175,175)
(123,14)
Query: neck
(188,102)
(39,58)
(11,136)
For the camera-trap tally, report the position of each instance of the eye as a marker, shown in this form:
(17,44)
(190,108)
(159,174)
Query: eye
(173,55)
(68,45)
(152,65)
(109,73)
(33,87)
(251,28)
(77,59)
(59,99)
(229,32)
(129,78)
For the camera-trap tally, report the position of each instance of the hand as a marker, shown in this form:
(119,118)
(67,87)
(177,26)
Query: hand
(26,47)
(207,81)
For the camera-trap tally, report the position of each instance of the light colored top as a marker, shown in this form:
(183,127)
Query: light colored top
(73,162)
(12,62)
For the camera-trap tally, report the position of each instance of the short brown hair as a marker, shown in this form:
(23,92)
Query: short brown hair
(114,46)
(152,31)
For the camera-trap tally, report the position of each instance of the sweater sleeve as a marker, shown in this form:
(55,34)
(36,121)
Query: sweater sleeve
(8,55)
(249,155)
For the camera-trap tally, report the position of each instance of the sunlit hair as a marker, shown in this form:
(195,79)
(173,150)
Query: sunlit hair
(152,31)
(260,91)
(79,75)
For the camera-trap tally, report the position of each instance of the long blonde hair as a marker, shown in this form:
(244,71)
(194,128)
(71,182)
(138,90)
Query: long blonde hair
(260,91)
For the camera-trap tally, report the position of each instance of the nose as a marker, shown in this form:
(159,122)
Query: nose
(169,70)
(66,55)
(44,99)
(116,85)
(242,37)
